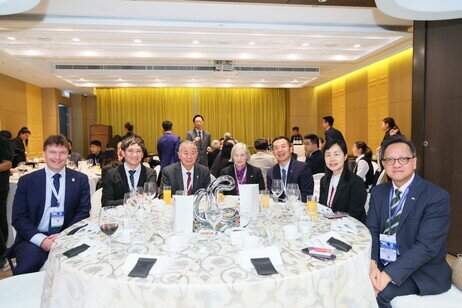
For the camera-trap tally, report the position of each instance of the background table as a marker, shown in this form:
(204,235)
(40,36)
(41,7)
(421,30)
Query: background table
(216,280)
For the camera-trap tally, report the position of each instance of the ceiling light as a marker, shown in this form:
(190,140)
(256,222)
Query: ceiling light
(195,42)
(322,1)
(11,38)
(137,41)
(305,44)
(76,39)
(89,53)
(357,46)
(292,56)
(252,43)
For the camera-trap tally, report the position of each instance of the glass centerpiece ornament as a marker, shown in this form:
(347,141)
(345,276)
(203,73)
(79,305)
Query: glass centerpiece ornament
(211,196)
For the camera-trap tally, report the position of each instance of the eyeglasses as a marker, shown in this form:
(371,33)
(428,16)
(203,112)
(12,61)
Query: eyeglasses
(132,152)
(401,160)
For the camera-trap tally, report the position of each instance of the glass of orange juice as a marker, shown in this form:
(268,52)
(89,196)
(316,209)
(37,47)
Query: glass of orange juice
(168,195)
(265,199)
(312,207)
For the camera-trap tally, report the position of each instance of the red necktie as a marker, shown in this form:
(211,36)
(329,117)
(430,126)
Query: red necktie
(188,184)
(332,192)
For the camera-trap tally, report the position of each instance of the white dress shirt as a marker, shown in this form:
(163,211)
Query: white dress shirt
(362,167)
(185,178)
(136,175)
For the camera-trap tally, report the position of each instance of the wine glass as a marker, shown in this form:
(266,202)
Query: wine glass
(109,221)
(277,189)
(150,189)
(293,194)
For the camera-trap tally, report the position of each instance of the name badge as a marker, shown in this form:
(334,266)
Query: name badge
(56,220)
(388,248)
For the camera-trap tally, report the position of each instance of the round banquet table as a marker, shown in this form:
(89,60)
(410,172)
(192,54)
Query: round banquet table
(215,279)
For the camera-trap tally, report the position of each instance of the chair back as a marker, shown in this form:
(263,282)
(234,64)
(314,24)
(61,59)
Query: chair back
(96,202)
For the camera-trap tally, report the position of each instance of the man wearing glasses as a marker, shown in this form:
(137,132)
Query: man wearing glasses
(127,176)
(409,220)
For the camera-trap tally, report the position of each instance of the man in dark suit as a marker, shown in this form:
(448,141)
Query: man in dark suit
(96,155)
(168,145)
(186,175)
(127,176)
(409,220)
(289,170)
(314,157)
(331,133)
(46,202)
(201,139)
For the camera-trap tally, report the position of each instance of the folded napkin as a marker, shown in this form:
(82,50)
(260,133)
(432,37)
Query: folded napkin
(91,228)
(322,209)
(161,265)
(271,252)
(344,225)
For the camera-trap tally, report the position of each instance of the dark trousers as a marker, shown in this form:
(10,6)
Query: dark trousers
(29,258)
(392,291)
(3,222)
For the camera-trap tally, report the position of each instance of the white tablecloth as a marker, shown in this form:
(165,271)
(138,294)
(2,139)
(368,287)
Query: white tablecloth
(93,178)
(214,280)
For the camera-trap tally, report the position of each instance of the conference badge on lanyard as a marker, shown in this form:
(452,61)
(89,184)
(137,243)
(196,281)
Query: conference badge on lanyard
(388,248)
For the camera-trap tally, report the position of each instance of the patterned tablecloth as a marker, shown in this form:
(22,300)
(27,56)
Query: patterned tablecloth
(214,279)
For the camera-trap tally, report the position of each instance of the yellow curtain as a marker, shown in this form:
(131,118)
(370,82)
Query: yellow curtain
(248,114)
(146,108)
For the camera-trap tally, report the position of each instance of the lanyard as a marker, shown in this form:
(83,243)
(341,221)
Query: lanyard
(400,204)
(54,192)
(240,182)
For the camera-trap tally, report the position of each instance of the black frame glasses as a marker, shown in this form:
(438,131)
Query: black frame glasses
(401,160)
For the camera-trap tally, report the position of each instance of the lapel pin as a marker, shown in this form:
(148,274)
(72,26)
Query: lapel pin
(73,180)
(412,198)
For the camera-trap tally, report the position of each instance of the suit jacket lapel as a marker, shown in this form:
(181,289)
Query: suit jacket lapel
(123,178)
(178,177)
(291,172)
(338,192)
(42,192)
(69,189)
(142,178)
(196,180)
(409,203)
(250,175)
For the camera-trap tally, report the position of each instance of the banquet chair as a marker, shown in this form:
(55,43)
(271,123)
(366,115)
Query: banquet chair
(22,290)
(317,184)
(157,170)
(381,178)
(96,202)
(375,166)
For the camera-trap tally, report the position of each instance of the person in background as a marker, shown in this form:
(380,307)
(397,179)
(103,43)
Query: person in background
(46,202)
(186,175)
(168,145)
(340,189)
(109,161)
(296,137)
(289,170)
(127,176)
(19,145)
(201,138)
(213,151)
(331,133)
(409,220)
(74,156)
(390,128)
(223,158)
(261,159)
(128,127)
(314,158)
(363,167)
(95,152)
(6,158)
(241,171)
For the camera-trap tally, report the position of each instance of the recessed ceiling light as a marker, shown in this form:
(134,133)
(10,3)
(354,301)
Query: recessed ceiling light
(76,39)
(195,42)
(322,1)
(137,41)
(11,38)
(305,44)
(251,43)
(357,46)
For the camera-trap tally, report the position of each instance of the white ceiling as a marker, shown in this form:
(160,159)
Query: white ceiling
(140,33)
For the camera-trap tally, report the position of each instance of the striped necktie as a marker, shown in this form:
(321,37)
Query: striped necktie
(284,177)
(132,178)
(188,184)
(391,227)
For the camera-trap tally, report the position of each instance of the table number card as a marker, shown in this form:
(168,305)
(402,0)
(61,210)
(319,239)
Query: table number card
(183,214)
(248,194)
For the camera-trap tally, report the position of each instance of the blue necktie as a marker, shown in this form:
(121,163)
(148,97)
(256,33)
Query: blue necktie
(54,201)
(392,226)
(132,178)
(284,177)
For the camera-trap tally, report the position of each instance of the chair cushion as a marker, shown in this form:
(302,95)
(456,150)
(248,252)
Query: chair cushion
(451,298)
